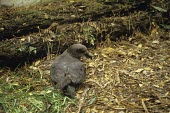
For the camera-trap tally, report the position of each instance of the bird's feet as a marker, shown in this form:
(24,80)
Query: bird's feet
(70,91)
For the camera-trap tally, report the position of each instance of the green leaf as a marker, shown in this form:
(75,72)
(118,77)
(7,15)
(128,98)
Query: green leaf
(32,49)
(92,100)
(165,26)
(159,8)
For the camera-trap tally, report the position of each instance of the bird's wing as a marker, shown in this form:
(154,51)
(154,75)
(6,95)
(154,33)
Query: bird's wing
(66,70)
(76,72)
(59,74)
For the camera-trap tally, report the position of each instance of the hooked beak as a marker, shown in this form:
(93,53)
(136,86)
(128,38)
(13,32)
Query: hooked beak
(88,55)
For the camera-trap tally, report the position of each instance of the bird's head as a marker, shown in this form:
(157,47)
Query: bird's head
(78,51)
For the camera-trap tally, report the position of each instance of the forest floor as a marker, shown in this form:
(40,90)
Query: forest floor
(130,75)
(124,76)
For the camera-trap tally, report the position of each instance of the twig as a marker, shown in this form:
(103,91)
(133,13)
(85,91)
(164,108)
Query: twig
(158,96)
(144,106)
(90,80)
(81,101)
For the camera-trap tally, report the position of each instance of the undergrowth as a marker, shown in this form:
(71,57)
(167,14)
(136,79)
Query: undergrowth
(23,91)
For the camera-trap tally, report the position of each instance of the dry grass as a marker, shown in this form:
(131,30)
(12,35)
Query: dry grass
(127,76)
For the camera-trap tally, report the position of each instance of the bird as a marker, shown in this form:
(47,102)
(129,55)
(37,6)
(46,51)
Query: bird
(67,71)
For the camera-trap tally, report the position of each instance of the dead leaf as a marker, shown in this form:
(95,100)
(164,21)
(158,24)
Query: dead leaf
(37,62)
(139,70)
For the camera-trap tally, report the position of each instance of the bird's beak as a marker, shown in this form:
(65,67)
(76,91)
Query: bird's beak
(88,55)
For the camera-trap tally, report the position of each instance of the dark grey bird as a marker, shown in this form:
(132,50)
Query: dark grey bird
(67,71)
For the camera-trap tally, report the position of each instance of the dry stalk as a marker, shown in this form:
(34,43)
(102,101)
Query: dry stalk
(81,101)
(144,106)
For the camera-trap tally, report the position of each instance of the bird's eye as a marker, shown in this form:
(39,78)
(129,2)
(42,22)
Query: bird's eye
(80,51)
(81,69)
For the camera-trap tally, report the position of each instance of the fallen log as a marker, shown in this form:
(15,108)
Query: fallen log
(57,37)
(64,27)
(21,21)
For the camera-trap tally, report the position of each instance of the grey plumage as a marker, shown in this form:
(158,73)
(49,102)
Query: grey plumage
(67,70)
